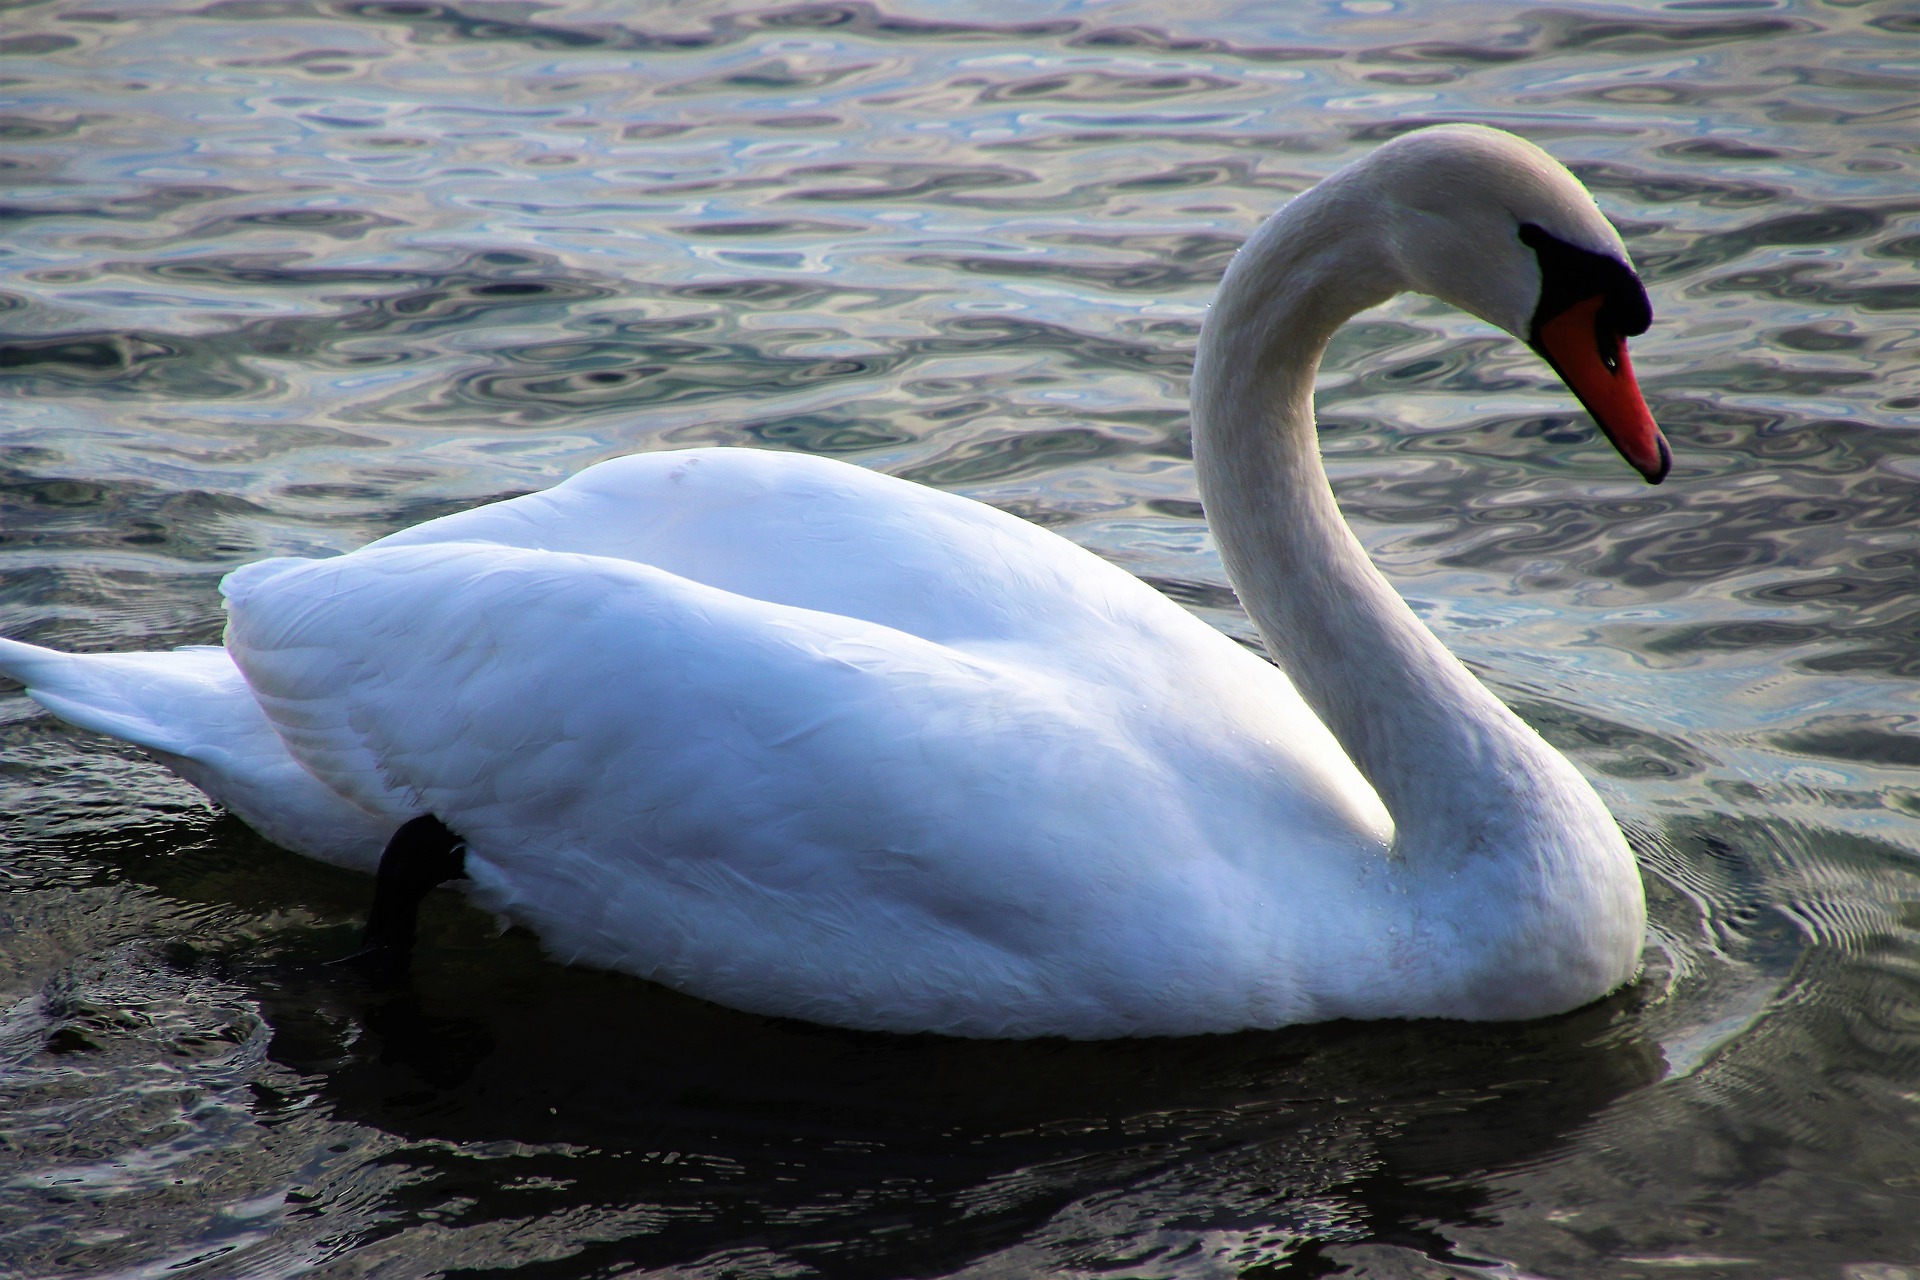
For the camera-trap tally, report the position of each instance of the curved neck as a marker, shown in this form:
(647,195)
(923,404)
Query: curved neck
(1453,766)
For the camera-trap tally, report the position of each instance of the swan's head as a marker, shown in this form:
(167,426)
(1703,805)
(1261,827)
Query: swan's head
(1495,226)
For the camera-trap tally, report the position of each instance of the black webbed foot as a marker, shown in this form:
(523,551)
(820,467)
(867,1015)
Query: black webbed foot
(422,854)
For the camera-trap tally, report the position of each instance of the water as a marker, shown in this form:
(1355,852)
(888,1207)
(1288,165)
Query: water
(282,277)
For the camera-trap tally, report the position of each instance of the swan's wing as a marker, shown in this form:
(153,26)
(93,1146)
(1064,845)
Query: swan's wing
(769,806)
(821,535)
(549,690)
(818,534)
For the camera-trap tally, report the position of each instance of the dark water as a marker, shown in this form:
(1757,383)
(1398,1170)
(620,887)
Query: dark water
(278,276)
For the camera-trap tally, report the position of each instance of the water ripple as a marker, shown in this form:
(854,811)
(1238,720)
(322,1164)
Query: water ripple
(280,277)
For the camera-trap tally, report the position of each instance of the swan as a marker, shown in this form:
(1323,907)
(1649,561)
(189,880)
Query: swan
(808,740)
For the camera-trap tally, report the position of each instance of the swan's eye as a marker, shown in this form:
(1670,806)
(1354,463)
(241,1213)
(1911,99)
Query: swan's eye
(1608,342)
(1569,275)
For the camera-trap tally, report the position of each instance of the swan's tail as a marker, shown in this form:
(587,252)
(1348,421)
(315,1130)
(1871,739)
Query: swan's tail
(153,700)
(192,709)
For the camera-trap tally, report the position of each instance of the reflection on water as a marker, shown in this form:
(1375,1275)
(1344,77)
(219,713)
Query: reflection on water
(279,278)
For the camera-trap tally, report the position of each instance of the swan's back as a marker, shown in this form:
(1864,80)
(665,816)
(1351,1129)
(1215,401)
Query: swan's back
(792,529)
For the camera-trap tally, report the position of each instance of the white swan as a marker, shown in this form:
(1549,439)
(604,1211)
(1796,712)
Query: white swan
(807,740)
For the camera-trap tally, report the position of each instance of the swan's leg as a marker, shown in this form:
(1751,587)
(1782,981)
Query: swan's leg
(423,853)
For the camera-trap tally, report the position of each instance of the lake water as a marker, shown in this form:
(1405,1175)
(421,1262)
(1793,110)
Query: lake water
(280,276)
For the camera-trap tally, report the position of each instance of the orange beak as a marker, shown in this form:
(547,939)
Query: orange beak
(1592,360)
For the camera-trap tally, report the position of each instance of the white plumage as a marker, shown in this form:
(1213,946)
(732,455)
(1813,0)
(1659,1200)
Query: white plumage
(808,740)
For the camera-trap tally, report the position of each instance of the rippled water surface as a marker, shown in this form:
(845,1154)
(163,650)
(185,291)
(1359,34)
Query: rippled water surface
(279,276)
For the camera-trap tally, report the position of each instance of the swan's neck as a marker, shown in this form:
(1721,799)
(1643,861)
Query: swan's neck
(1465,781)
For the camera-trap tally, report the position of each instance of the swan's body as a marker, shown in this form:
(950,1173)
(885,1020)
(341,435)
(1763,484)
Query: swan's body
(808,740)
